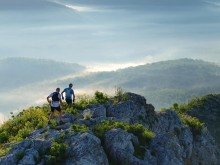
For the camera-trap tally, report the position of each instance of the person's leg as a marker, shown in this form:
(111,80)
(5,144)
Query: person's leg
(51,114)
(69,103)
(60,113)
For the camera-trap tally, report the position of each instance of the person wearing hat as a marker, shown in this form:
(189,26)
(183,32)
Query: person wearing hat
(69,95)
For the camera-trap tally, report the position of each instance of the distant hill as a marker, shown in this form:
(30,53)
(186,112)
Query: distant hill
(162,83)
(17,72)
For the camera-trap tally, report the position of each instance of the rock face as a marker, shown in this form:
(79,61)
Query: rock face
(208,111)
(118,144)
(86,149)
(174,143)
(134,110)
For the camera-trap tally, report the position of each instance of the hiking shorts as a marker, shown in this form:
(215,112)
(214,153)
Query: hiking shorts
(55,108)
(69,101)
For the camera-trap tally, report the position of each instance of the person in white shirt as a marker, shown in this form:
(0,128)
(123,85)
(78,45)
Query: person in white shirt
(55,104)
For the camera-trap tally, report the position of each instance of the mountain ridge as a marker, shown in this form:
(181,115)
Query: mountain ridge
(162,83)
(108,131)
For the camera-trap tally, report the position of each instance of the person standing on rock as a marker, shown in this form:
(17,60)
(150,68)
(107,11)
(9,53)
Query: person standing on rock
(69,95)
(55,104)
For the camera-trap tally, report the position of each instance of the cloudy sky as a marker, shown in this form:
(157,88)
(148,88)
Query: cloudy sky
(116,32)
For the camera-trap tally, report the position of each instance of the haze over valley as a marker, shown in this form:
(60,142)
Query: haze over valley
(162,83)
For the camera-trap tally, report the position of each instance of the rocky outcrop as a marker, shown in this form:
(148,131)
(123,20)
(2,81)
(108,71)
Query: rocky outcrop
(134,110)
(174,143)
(119,146)
(208,111)
(86,149)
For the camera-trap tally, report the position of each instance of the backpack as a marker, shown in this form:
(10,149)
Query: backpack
(55,96)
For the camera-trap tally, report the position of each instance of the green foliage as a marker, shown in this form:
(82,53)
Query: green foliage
(79,128)
(72,111)
(195,125)
(120,95)
(183,109)
(57,152)
(100,97)
(19,127)
(144,135)
(4,137)
(85,100)
(4,150)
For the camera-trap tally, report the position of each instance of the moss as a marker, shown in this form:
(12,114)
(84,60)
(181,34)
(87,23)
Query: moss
(79,128)
(144,135)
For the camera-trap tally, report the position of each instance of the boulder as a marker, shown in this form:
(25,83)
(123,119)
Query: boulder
(86,149)
(133,110)
(118,144)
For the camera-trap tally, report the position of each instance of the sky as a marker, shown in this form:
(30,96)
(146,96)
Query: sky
(110,34)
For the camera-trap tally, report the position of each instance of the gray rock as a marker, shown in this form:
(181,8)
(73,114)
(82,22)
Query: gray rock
(118,144)
(86,149)
(205,151)
(133,111)
(167,121)
(167,150)
(25,152)
(29,158)
(97,110)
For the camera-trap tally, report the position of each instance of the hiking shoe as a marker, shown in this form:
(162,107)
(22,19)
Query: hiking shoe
(61,122)
(49,122)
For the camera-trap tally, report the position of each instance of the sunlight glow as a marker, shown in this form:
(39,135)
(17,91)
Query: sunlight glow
(79,8)
(113,67)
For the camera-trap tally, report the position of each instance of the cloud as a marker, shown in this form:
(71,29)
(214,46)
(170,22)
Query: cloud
(115,66)
(79,8)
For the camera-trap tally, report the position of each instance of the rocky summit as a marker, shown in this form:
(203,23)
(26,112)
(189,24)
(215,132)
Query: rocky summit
(127,132)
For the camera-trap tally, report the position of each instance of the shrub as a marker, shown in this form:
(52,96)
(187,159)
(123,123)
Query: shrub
(120,95)
(4,137)
(144,135)
(79,128)
(100,97)
(72,111)
(195,125)
(182,110)
(57,152)
(21,125)
(84,101)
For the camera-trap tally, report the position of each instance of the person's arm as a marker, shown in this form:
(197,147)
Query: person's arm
(48,99)
(73,97)
(62,94)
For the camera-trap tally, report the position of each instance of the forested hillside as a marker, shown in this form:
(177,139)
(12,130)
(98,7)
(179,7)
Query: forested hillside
(162,83)
(17,72)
